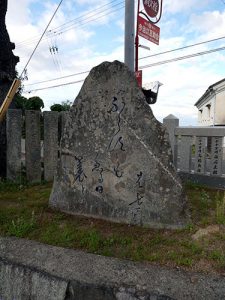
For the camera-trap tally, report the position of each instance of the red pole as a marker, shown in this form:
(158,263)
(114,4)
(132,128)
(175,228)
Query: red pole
(137,40)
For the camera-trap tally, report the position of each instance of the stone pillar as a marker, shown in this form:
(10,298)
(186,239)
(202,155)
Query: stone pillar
(171,122)
(50,144)
(32,146)
(185,153)
(200,154)
(216,156)
(14,135)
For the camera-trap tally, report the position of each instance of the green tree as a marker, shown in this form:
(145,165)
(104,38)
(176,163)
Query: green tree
(20,102)
(64,106)
(34,103)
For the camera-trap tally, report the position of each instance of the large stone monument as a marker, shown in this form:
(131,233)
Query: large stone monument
(115,159)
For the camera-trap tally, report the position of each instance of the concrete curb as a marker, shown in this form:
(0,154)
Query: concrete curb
(30,270)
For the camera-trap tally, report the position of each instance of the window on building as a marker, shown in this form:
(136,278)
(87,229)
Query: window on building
(208,110)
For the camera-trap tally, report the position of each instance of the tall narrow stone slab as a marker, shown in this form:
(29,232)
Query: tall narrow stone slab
(185,153)
(14,135)
(50,144)
(32,146)
(216,156)
(115,159)
(200,153)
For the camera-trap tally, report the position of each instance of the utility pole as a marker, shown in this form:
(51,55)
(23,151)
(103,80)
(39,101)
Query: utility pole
(129,34)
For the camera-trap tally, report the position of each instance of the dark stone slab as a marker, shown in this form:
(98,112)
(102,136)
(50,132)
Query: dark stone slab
(115,159)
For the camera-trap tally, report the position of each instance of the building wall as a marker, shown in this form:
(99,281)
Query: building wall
(206,112)
(220,109)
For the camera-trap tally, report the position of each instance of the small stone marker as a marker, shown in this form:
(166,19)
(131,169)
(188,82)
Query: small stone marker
(200,155)
(115,159)
(216,156)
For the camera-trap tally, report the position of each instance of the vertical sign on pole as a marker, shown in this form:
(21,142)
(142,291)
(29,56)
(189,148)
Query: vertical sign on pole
(146,28)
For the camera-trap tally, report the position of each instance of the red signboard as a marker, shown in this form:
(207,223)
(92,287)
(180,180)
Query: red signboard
(151,7)
(138,76)
(148,30)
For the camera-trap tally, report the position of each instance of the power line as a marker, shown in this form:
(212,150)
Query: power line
(182,58)
(80,17)
(184,47)
(86,18)
(80,26)
(75,74)
(52,32)
(156,54)
(41,38)
(54,86)
(142,67)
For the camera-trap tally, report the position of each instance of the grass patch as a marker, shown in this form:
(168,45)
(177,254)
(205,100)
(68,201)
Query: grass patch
(24,212)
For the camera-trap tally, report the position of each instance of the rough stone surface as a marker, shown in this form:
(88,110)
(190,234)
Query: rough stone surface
(50,144)
(116,162)
(52,273)
(33,146)
(14,135)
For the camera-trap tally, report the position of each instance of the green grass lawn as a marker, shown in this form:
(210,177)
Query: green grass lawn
(24,213)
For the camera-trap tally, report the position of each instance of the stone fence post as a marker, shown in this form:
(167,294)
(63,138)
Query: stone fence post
(14,134)
(171,122)
(33,146)
(50,143)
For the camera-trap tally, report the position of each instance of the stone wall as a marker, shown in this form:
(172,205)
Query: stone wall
(30,270)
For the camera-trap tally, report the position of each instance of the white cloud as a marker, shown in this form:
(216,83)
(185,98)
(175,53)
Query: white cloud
(177,6)
(209,23)
(184,81)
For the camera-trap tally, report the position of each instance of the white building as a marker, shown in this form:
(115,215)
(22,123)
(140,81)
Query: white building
(211,105)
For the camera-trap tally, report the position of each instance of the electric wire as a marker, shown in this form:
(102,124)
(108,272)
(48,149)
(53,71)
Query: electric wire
(184,47)
(53,32)
(54,86)
(142,67)
(182,57)
(156,54)
(41,38)
(90,17)
(80,26)
(71,75)
(80,17)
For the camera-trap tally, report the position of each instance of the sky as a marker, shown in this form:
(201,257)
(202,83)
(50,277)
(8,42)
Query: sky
(85,33)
